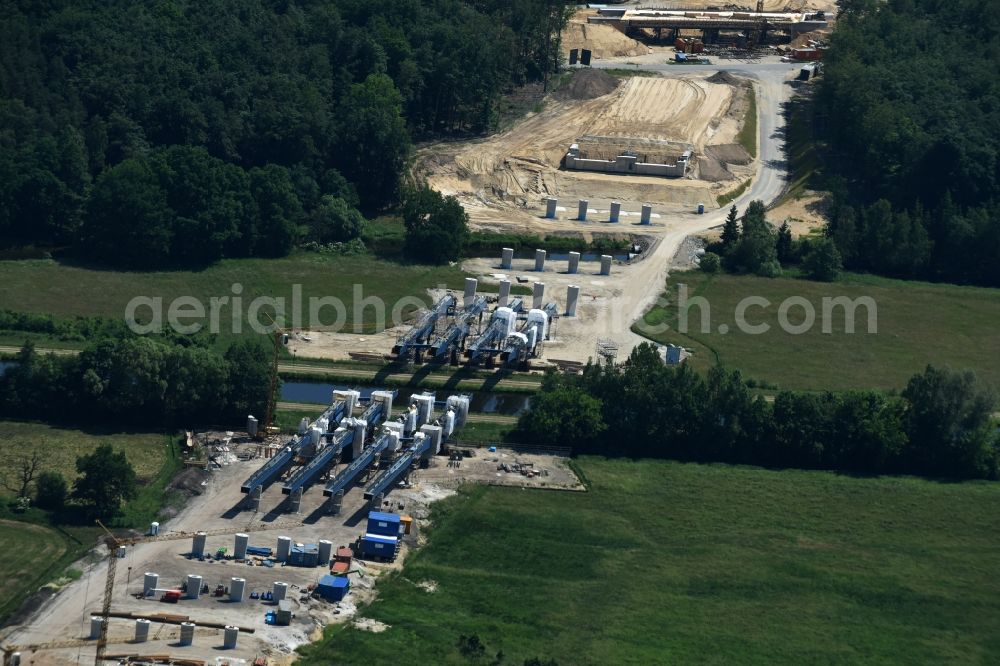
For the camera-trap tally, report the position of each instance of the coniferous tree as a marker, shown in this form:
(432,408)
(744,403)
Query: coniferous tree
(731,230)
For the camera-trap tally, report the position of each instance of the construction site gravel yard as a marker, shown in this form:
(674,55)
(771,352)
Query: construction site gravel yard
(63,623)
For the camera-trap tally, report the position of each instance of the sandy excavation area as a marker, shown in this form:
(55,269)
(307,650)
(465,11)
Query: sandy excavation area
(502,180)
(682,109)
(604,41)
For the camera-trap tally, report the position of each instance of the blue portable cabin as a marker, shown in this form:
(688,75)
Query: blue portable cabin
(304,555)
(260,551)
(379,545)
(386,524)
(333,588)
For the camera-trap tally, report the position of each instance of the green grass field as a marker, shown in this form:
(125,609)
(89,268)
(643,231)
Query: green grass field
(61,446)
(483,434)
(669,563)
(34,555)
(51,287)
(918,323)
(747,136)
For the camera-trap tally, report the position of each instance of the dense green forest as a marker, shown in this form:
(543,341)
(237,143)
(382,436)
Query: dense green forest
(940,426)
(179,132)
(139,381)
(910,105)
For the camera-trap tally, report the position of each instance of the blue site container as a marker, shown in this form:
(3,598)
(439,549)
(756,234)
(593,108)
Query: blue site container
(333,588)
(378,545)
(387,524)
(260,551)
(304,555)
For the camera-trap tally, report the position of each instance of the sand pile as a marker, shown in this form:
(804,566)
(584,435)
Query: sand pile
(590,83)
(722,76)
(604,41)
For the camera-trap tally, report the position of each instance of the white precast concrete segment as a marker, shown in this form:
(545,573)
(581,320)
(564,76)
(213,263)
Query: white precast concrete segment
(284,548)
(237,586)
(325,551)
(198,544)
(194,586)
(504,293)
(574,262)
(149,582)
(537,295)
(142,630)
(471,284)
(240,547)
(572,296)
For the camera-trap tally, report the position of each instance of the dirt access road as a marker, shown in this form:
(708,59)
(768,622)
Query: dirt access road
(609,305)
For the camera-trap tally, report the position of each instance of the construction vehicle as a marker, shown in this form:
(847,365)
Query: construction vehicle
(220,591)
(171,596)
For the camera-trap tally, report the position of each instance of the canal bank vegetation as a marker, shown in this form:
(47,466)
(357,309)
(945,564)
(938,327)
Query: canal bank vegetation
(133,381)
(386,236)
(404,376)
(940,426)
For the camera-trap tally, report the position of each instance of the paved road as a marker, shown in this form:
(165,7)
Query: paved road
(642,283)
(773,89)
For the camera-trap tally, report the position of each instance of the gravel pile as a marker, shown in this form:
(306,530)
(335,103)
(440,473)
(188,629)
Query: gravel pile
(590,83)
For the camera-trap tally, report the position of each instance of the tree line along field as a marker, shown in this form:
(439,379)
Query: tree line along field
(918,323)
(665,562)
